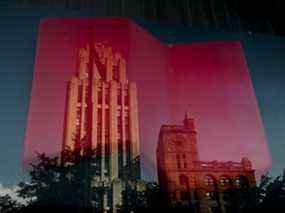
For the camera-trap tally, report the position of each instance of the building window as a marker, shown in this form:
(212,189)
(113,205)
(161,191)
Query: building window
(99,121)
(119,97)
(86,94)
(107,96)
(107,121)
(126,98)
(184,161)
(100,96)
(119,136)
(178,161)
(77,121)
(184,181)
(237,182)
(78,112)
(184,184)
(80,91)
(77,127)
(116,73)
(127,128)
(86,119)
(119,125)
(209,180)
(241,181)
(225,181)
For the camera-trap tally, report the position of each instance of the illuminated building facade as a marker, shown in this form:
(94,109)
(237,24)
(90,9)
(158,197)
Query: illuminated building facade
(189,181)
(102,114)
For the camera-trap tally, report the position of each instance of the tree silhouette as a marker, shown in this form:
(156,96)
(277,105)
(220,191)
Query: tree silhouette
(140,196)
(8,205)
(64,183)
(268,194)
(273,193)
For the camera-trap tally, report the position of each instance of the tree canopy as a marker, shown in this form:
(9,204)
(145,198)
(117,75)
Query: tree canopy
(66,183)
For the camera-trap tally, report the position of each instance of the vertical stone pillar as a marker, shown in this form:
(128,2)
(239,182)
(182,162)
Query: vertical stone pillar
(109,69)
(117,188)
(122,70)
(83,111)
(95,85)
(113,122)
(103,131)
(105,201)
(134,123)
(70,128)
(123,113)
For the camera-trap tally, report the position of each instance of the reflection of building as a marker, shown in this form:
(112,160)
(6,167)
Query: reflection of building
(102,113)
(186,179)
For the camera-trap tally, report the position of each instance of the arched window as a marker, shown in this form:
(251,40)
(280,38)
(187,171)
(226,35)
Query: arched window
(184,183)
(178,161)
(225,181)
(209,180)
(241,181)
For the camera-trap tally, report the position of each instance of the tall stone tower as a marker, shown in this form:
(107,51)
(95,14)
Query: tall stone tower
(102,113)
(176,152)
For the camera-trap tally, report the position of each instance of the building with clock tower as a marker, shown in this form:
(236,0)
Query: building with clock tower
(186,180)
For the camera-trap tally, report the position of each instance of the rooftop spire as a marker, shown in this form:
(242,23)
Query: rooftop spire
(84,54)
(188,120)
(187,115)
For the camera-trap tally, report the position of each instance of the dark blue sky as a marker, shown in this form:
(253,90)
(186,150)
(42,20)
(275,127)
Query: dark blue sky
(18,34)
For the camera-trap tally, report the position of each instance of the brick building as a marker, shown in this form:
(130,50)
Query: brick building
(189,181)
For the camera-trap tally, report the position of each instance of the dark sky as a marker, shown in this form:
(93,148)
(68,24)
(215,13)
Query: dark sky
(265,56)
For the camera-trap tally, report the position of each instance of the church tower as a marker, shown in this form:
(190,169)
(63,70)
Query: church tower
(102,114)
(176,153)
(187,180)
